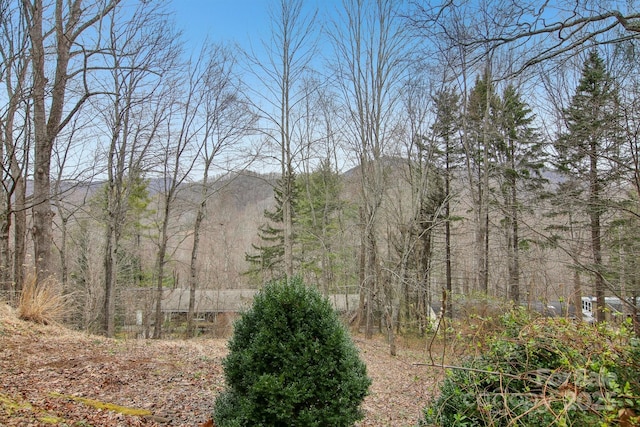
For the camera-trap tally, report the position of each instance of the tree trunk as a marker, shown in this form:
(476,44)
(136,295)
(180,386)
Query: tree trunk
(160,262)
(362,273)
(193,272)
(287,220)
(108,326)
(484,201)
(594,219)
(20,233)
(372,281)
(62,251)
(481,239)
(5,253)
(67,27)
(577,294)
(42,215)
(514,250)
(515,269)
(448,308)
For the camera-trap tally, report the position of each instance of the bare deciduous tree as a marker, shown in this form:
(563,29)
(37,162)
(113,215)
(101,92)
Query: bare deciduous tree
(422,213)
(289,54)
(180,153)
(227,119)
(538,31)
(54,33)
(14,142)
(371,56)
(140,51)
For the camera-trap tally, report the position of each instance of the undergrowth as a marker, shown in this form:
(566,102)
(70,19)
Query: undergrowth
(544,372)
(41,302)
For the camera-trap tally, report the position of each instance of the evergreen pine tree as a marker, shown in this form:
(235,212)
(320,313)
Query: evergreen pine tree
(318,211)
(446,129)
(267,261)
(478,141)
(586,152)
(520,156)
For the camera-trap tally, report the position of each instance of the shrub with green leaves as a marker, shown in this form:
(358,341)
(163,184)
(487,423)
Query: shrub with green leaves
(291,362)
(544,372)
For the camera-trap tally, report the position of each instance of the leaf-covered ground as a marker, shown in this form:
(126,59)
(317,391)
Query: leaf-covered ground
(52,376)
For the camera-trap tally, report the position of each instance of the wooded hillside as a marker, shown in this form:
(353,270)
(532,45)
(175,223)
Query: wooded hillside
(419,155)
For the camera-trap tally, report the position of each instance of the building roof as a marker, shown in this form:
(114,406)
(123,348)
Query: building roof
(207,300)
(233,300)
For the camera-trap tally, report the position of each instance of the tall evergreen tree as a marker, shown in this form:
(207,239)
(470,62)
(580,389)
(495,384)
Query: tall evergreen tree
(316,206)
(586,151)
(446,129)
(316,223)
(267,261)
(520,155)
(478,141)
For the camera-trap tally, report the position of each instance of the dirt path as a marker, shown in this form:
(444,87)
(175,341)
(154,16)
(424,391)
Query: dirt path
(52,376)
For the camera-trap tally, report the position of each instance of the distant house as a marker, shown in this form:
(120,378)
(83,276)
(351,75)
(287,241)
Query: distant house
(215,309)
(207,301)
(214,301)
(615,308)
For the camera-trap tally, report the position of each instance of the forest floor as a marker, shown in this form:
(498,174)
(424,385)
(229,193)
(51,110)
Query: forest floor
(50,375)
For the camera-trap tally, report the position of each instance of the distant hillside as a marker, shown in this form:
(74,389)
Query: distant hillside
(247,188)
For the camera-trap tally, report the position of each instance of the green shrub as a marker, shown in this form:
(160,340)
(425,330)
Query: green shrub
(544,372)
(291,362)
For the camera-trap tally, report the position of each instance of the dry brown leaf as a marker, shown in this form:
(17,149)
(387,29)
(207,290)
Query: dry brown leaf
(176,381)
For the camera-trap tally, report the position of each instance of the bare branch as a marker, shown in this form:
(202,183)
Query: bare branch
(539,33)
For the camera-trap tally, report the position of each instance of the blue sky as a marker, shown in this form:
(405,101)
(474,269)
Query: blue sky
(241,21)
(246,22)
(221,20)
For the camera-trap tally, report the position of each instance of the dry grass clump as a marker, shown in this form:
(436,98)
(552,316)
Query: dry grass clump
(41,302)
